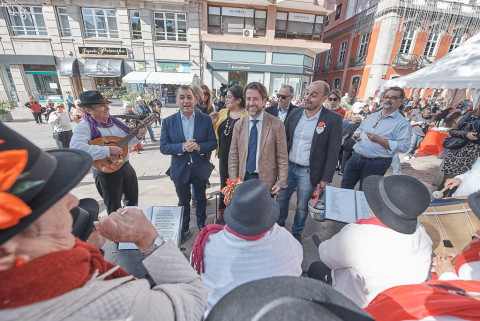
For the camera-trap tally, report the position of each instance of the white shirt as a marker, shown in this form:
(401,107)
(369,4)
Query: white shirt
(283,114)
(82,136)
(302,139)
(61,125)
(470,181)
(259,134)
(231,261)
(367,259)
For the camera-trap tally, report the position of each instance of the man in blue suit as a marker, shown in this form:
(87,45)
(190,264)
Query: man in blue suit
(188,136)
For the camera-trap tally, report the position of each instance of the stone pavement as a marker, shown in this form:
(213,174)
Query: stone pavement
(156,188)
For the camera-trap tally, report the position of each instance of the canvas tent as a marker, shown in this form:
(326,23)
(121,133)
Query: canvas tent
(459,69)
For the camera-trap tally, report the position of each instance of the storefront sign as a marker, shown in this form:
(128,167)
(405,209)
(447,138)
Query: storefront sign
(172,66)
(103,52)
(140,65)
(237,12)
(262,68)
(301,17)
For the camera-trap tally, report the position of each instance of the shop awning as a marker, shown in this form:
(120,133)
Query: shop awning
(136,77)
(170,78)
(69,67)
(104,68)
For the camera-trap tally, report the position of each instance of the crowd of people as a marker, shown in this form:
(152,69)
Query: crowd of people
(272,150)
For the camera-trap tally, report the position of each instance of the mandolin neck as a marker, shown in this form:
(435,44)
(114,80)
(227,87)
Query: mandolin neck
(122,142)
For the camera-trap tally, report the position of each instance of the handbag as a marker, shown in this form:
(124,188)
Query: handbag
(56,135)
(454,142)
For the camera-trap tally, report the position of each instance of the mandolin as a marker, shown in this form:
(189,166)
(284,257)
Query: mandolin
(114,163)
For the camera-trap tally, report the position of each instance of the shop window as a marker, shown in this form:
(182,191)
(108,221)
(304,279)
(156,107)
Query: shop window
(112,87)
(432,42)
(43,84)
(277,80)
(65,30)
(170,26)
(100,23)
(7,75)
(239,56)
(341,52)
(299,26)
(338,12)
(362,49)
(27,27)
(229,20)
(135,24)
(336,83)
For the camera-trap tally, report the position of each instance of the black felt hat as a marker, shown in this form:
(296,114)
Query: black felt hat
(252,210)
(92,97)
(474,202)
(45,179)
(396,200)
(286,298)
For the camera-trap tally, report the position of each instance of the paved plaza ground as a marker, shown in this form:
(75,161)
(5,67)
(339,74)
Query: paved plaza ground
(156,188)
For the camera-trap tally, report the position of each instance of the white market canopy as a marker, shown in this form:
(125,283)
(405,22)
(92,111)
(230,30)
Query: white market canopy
(136,77)
(459,69)
(170,78)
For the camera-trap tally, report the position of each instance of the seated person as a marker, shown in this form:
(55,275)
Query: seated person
(250,247)
(391,248)
(466,265)
(468,182)
(449,298)
(48,274)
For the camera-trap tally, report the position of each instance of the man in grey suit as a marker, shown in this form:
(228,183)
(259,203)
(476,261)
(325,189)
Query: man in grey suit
(285,106)
(314,136)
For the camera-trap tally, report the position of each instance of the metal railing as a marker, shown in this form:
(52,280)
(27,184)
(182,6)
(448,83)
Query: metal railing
(357,61)
(339,65)
(405,60)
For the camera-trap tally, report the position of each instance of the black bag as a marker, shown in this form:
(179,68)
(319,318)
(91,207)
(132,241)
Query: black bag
(454,142)
(56,135)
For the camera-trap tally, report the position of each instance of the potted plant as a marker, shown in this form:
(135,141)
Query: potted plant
(6,108)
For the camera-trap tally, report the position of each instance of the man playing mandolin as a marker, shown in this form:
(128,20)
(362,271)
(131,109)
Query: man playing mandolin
(112,182)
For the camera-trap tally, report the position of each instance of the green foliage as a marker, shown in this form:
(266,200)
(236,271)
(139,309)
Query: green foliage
(132,97)
(6,107)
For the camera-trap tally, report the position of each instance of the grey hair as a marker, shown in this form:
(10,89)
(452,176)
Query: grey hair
(290,88)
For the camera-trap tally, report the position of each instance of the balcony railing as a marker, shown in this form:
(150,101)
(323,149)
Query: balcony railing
(424,61)
(405,60)
(339,65)
(326,68)
(357,61)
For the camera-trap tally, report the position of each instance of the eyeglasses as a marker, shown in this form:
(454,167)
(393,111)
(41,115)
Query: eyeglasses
(390,97)
(282,96)
(206,94)
(334,99)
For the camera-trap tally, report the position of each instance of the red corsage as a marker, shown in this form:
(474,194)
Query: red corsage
(321,124)
(229,189)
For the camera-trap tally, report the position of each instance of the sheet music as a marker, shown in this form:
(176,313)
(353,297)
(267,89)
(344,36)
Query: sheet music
(166,219)
(345,205)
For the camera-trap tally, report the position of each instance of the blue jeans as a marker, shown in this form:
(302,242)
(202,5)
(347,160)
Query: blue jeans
(414,143)
(357,169)
(150,131)
(298,178)
(184,195)
(397,167)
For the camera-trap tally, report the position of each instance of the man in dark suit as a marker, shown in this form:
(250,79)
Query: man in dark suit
(285,106)
(188,136)
(314,136)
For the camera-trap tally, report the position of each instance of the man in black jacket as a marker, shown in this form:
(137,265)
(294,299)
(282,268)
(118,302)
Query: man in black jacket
(314,136)
(285,106)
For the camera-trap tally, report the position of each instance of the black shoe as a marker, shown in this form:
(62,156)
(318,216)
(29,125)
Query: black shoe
(282,225)
(298,237)
(154,140)
(200,226)
(185,235)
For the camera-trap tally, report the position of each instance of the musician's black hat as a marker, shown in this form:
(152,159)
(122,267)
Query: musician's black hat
(92,97)
(32,180)
(474,202)
(286,298)
(396,200)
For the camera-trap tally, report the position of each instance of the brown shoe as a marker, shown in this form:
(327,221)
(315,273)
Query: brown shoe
(219,218)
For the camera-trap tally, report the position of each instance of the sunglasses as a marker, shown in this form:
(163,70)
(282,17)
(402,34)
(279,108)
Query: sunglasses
(206,94)
(390,97)
(282,96)
(334,99)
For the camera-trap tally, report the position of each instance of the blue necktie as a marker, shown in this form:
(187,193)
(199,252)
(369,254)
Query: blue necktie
(252,148)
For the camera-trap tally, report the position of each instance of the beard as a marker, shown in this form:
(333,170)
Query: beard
(387,105)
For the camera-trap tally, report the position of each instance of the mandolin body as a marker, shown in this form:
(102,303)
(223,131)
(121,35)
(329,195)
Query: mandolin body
(112,163)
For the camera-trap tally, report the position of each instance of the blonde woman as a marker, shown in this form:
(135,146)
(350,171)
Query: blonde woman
(62,130)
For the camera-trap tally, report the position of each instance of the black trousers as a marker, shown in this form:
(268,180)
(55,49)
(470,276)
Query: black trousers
(64,140)
(112,187)
(37,117)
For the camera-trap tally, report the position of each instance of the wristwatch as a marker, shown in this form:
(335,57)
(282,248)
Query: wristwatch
(157,242)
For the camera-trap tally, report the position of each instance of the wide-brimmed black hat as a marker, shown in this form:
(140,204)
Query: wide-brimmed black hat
(252,210)
(474,202)
(396,200)
(46,178)
(92,97)
(286,298)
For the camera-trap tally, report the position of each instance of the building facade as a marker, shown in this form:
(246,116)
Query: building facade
(374,41)
(272,42)
(71,45)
